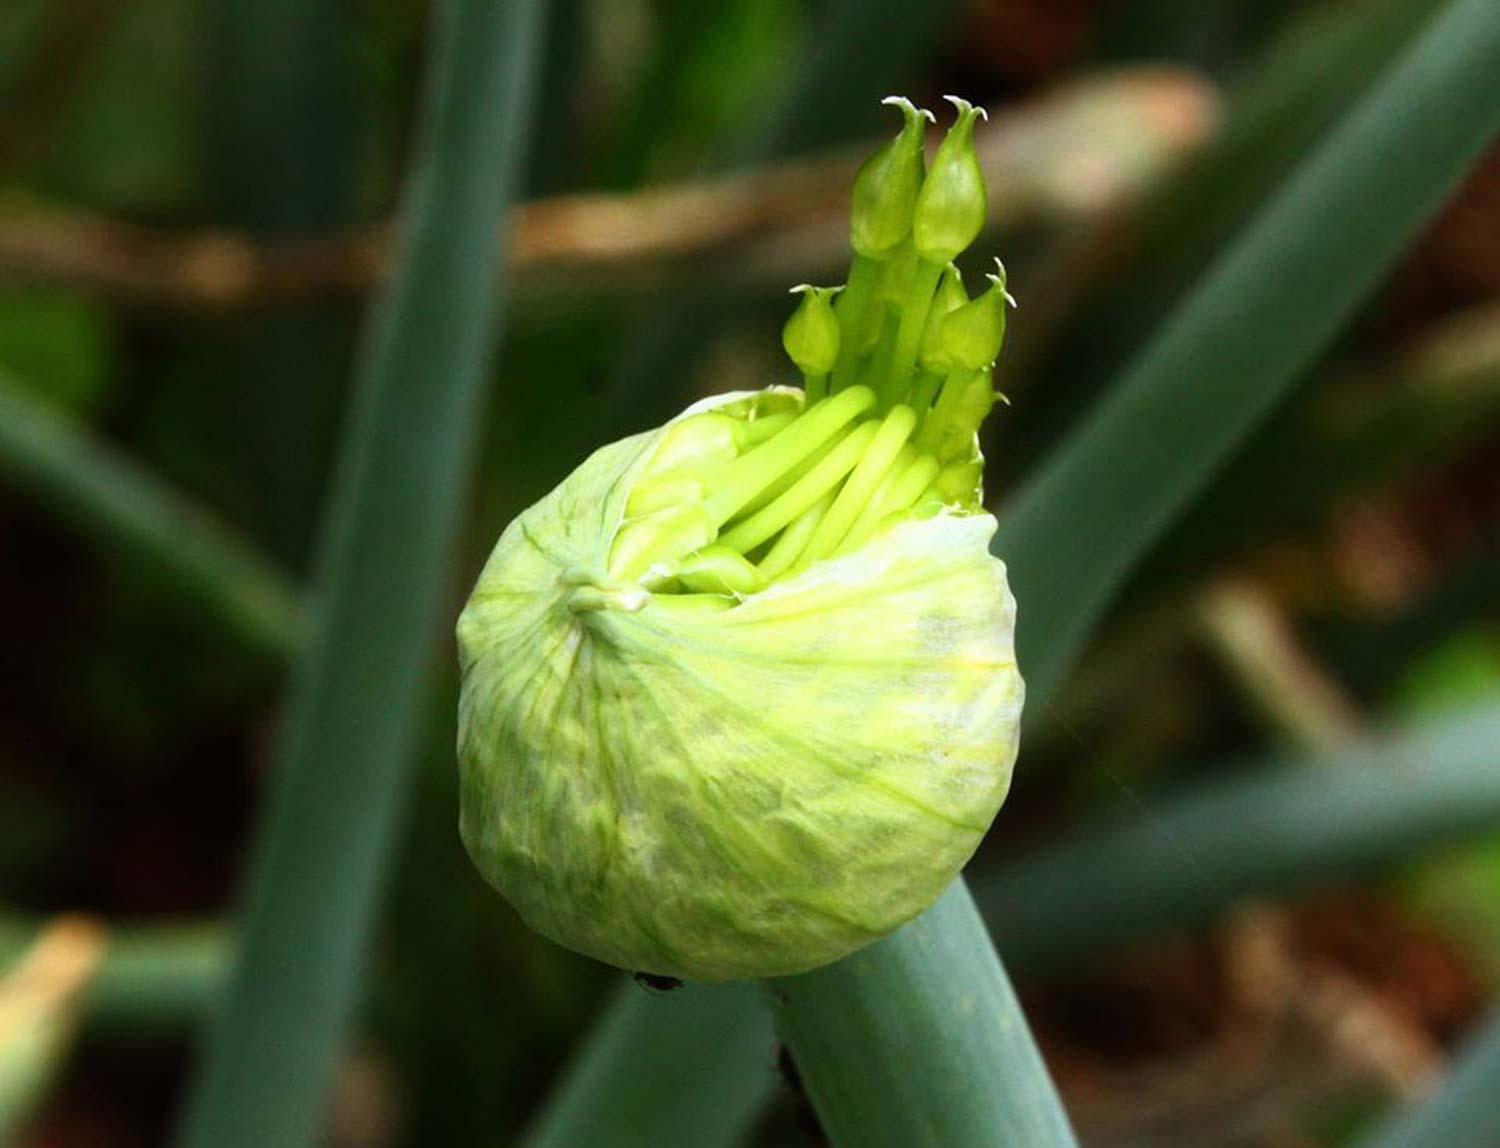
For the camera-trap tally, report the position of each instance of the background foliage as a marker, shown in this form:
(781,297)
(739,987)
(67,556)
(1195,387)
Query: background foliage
(1257,815)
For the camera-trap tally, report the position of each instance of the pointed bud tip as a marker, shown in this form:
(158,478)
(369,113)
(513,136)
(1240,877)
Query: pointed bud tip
(951,205)
(966,109)
(887,184)
(908,108)
(998,280)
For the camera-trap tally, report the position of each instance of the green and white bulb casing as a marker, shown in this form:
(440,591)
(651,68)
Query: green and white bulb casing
(685,753)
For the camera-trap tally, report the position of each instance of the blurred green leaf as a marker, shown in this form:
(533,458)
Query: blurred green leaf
(394,516)
(108,499)
(1285,101)
(1461,671)
(126,141)
(58,345)
(1263,315)
(22,22)
(1276,824)
(1455,891)
(1358,434)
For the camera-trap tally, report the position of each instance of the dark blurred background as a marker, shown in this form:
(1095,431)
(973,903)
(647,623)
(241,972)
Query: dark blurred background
(193,207)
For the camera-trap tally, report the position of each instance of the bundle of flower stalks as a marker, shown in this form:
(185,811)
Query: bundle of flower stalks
(739,696)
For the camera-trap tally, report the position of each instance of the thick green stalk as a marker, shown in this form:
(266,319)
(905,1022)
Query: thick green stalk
(1463,1113)
(913,321)
(853,311)
(128,510)
(357,694)
(928,1018)
(1265,313)
(700,1082)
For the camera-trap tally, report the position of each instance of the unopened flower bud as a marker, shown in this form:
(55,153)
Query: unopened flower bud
(949,298)
(972,335)
(951,205)
(710,773)
(886,187)
(811,335)
(740,695)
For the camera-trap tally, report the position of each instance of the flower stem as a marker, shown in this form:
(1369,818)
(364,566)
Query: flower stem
(923,391)
(793,540)
(901,491)
(935,425)
(878,367)
(753,432)
(856,494)
(811,487)
(919,295)
(852,309)
(747,475)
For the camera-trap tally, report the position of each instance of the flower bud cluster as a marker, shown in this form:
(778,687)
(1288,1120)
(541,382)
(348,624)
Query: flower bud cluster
(897,374)
(740,694)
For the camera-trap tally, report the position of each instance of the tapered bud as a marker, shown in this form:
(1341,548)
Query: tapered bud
(951,205)
(886,187)
(811,335)
(972,335)
(949,298)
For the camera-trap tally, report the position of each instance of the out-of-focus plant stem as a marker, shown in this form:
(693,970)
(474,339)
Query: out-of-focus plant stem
(1260,319)
(105,497)
(149,978)
(1287,100)
(1359,434)
(1254,641)
(1278,824)
(359,686)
